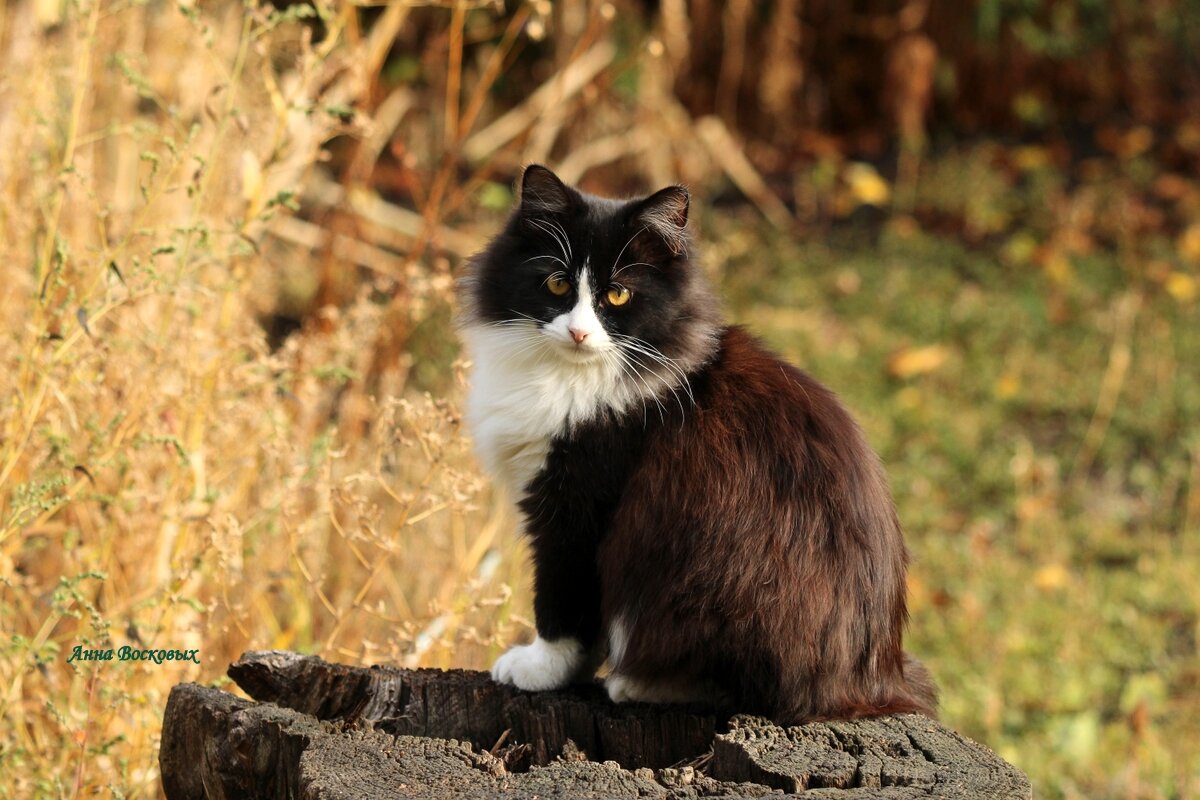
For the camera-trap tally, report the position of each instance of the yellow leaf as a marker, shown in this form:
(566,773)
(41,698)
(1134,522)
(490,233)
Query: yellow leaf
(1137,141)
(1021,248)
(1051,576)
(1188,244)
(1007,386)
(866,186)
(1031,507)
(1058,267)
(1181,286)
(917,361)
(1031,157)
(1187,136)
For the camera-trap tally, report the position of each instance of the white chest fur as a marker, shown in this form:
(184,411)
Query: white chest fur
(523,394)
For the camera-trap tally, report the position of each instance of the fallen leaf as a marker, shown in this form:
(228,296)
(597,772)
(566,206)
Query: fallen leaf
(1058,267)
(847,281)
(1181,286)
(1170,186)
(1031,507)
(1187,136)
(866,185)
(917,361)
(1031,158)
(1137,141)
(1050,577)
(1007,386)
(1126,144)
(1188,244)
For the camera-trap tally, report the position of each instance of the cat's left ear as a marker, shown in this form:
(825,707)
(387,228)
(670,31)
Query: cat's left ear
(666,213)
(542,192)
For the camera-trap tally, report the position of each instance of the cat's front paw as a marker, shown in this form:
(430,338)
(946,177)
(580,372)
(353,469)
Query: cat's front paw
(624,689)
(539,666)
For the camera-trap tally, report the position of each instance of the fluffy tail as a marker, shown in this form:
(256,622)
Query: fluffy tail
(921,686)
(912,691)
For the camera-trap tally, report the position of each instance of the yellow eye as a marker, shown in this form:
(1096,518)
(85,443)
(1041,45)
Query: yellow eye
(558,284)
(618,295)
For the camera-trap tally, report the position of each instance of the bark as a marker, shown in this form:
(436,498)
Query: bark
(328,731)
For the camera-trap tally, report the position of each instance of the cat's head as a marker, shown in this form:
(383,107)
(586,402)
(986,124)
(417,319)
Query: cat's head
(590,280)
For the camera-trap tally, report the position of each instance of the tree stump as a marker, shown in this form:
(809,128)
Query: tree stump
(332,731)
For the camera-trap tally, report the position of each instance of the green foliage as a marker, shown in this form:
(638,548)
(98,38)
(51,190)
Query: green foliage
(1052,594)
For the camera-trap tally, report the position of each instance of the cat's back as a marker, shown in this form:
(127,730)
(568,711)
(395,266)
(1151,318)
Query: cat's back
(767,457)
(752,402)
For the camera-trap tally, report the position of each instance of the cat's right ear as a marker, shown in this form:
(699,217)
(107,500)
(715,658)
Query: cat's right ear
(542,192)
(666,213)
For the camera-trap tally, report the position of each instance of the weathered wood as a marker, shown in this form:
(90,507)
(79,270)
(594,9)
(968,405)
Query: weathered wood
(457,704)
(333,731)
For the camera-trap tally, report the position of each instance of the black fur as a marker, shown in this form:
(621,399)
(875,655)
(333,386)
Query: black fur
(736,523)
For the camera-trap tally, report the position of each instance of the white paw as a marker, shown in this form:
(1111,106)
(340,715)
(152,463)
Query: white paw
(539,666)
(623,689)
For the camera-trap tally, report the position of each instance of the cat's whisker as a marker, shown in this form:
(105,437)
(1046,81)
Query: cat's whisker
(617,260)
(642,342)
(567,239)
(673,389)
(534,345)
(540,225)
(524,338)
(552,258)
(666,361)
(624,361)
(645,348)
(509,323)
(526,317)
(564,244)
(636,365)
(634,264)
(517,333)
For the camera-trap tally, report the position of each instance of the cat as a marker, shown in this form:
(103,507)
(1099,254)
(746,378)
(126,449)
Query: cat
(706,516)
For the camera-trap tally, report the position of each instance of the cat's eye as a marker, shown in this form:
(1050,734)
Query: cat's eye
(618,295)
(558,284)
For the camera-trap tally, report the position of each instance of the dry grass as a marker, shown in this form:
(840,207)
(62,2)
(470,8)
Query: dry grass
(173,175)
(165,480)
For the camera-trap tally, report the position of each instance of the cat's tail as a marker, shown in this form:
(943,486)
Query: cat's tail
(921,687)
(912,691)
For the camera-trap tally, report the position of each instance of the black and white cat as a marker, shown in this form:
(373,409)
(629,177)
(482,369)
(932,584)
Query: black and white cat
(705,515)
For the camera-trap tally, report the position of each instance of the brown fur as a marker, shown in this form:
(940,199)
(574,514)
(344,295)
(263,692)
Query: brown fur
(733,532)
(757,548)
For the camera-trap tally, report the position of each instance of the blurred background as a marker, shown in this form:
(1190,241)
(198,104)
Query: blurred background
(231,385)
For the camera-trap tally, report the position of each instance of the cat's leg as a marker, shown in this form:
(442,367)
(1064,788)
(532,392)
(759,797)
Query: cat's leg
(667,688)
(626,689)
(557,656)
(541,665)
(566,606)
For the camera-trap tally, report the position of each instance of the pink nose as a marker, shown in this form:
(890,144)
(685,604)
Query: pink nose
(578,336)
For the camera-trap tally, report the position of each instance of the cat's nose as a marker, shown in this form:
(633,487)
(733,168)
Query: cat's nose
(578,335)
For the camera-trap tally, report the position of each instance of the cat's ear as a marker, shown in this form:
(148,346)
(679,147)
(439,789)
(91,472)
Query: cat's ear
(666,213)
(542,192)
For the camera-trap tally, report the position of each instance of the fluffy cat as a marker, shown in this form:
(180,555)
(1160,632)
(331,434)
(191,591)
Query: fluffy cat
(705,515)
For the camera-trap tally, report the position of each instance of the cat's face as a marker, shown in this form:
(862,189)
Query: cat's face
(589,280)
